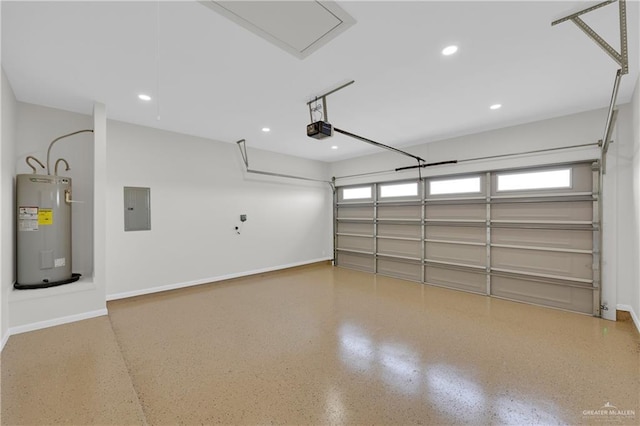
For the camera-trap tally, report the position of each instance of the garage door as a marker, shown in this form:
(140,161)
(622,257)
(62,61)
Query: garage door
(527,235)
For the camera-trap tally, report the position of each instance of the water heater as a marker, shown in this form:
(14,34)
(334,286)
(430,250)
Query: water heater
(43,231)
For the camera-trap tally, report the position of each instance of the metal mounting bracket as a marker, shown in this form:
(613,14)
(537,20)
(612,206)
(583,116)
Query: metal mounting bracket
(325,114)
(245,158)
(622,57)
(608,141)
(243,151)
(611,116)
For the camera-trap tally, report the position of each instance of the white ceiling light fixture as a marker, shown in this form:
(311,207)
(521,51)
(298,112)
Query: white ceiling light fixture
(495,106)
(450,50)
(334,147)
(266,129)
(144,97)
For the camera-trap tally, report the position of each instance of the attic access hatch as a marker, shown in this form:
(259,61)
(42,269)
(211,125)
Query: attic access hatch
(298,27)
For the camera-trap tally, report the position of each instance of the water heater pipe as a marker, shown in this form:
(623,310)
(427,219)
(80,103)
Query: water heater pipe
(55,168)
(57,139)
(31,157)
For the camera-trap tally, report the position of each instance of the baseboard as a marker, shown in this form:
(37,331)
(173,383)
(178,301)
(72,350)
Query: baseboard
(176,286)
(57,321)
(4,340)
(634,317)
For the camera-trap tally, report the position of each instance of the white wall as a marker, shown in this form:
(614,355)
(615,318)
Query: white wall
(198,190)
(631,294)
(3,300)
(100,202)
(575,129)
(620,271)
(7,210)
(622,218)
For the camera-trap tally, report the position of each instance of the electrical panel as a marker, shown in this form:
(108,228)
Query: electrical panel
(137,209)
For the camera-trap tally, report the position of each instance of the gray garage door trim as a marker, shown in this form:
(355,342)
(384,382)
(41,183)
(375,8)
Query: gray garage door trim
(538,246)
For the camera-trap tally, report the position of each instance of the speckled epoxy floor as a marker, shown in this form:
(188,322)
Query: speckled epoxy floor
(323,345)
(71,374)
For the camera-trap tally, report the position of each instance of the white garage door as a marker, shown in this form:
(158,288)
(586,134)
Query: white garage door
(528,235)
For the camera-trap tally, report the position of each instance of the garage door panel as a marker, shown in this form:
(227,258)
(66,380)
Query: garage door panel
(355,228)
(572,265)
(564,297)
(557,238)
(355,261)
(559,211)
(459,280)
(456,233)
(403,231)
(456,211)
(355,243)
(456,253)
(399,269)
(400,212)
(531,242)
(355,212)
(399,247)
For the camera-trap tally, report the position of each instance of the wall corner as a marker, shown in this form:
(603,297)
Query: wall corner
(100,197)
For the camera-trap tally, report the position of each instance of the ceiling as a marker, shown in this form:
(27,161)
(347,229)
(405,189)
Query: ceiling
(210,77)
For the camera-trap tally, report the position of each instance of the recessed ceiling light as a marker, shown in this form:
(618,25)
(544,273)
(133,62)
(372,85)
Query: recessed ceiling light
(495,106)
(449,50)
(266,129)
(144,97)
(334,147)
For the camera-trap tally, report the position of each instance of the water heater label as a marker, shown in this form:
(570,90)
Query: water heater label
(59,262)
(45,217)
(27,218)
(28,212)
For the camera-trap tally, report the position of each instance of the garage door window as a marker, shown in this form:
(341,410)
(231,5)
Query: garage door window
(548,179)
(399,190)
(455,186)
(360,193)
